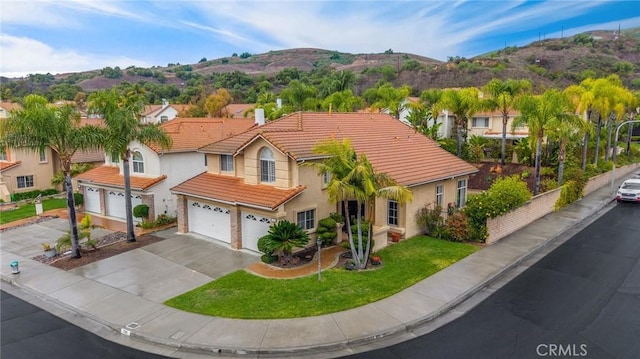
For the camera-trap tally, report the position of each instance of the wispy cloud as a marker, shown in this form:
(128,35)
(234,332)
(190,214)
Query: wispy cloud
(42,58)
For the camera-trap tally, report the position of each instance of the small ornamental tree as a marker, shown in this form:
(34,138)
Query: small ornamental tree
(282,237)
(141,211)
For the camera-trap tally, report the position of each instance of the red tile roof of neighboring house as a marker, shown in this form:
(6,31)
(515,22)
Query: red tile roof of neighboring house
(8,106)
(391,146)
(88,156)
(234,191)
(109,176)
(149,109)
(9,165)
(189,134)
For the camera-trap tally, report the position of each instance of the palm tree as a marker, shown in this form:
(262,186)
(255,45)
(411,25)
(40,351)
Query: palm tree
(354,178)
(563,128)
(503,96)
(462,103)
(39,125)
(121,113)
(76,169)
(581,97)
(390,98)
(343,101)
(540,113)
(283,236)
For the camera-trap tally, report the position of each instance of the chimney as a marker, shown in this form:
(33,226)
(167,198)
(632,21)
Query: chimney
(165,103)
(259,116)
(279,103)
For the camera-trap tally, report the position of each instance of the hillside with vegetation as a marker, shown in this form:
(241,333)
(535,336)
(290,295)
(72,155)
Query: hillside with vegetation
(547,63)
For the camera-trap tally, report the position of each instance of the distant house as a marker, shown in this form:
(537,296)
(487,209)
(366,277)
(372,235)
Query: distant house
(257,177)
(239,110)
(153,170)
(489,125)
(162,113)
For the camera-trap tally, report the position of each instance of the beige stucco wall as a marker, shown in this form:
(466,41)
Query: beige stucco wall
(252,164)
(42,172)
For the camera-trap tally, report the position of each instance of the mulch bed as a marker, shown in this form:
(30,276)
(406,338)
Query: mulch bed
(108,246)
(299,258)
(487,174)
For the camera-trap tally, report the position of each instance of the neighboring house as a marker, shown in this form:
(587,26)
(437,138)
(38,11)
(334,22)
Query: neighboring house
(153,170)
(489,125)
(162,113)
(257,178)
(22,169)
(446,122)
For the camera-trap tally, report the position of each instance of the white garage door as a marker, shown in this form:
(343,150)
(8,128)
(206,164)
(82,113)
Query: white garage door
(116,204)
(92,199)
(210,220)
(254,226)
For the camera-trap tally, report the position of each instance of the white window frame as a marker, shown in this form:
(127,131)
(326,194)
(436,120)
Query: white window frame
(27,181)
(306,219)
(137,164)
(43,155)
(440,194)
(461,193)
(164,119)
(267,166)
(326,178)
(393,213)
(3,154)
(475,120)
(115,158)
(226,163)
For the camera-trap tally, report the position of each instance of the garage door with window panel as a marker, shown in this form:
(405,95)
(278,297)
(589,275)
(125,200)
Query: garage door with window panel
(116,204)
(92,199)
(254,226)
(210,220)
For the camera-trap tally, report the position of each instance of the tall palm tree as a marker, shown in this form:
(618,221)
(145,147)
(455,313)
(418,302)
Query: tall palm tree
(564,128)
(343,101)
(503,96)
(390,98)
(354,178)
(539,113)
(604,97)
(39,125)
(462,103)
(582,98)
(121,114)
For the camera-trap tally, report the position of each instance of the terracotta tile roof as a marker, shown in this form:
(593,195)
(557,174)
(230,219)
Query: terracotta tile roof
(237,110)
(88,156)
(9,165)
(189,134)
(233,190)
(149,109)
(8,106)
(109,176)
(391,146)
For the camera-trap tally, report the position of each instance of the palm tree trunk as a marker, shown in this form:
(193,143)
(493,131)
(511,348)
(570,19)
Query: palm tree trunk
(609,125)
(347,219)
(536,178)
(598,130)
(459,138)
(503,149)
(585,148)
(131,236)
(359,226)
(561,157)
(73,221)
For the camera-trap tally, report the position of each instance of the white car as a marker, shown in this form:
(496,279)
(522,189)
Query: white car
(629,191)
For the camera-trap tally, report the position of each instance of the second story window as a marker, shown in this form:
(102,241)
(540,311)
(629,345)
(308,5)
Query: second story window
(482,122)
(267,166)
(164,119)
(326,178)
(138,162)
(43,155)
(226,163)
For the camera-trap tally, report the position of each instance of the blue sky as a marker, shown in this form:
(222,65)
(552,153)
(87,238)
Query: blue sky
(60,36)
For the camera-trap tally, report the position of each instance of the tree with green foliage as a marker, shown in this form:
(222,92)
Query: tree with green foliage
(39,125)
(121,113)
(388,98)
(462,103)
(503,96)
(353,178)
(299,96)
(282,237)
(343,101)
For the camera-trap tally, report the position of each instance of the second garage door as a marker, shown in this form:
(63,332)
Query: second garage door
(210,220)
(254,226)
(116,204)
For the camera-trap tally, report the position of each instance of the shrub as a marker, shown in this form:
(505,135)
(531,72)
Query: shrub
(141,211)
(265,246)
(571,192)
(548,184)
(284,236)
(326,231)
(78,198)
(346,245)
(336,217)
(49,192)
(165,219)
(430,220)
(457,227)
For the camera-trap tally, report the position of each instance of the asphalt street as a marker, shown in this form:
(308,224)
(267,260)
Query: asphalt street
(581,300)
(29,332)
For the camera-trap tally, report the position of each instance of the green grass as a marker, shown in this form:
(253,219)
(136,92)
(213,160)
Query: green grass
(243,295)
(29,210)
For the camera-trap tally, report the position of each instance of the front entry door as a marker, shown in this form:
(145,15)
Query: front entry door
(353,212)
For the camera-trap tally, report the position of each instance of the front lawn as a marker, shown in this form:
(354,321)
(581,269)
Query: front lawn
(29,210)
(243,295)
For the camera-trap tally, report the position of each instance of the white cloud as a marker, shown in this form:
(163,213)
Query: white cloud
(22,56)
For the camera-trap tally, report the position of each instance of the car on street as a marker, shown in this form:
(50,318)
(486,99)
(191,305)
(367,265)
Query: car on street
(629,191)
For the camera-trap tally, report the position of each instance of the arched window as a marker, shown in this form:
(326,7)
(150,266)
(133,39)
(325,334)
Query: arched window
(267,166)
(138,162)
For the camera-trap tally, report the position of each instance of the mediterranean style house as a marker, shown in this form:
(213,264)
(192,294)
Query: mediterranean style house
(162,113)
(154,170)
(258,177)
(489,125)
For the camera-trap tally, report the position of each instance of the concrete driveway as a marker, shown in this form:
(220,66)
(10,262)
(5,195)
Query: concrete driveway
(156,272)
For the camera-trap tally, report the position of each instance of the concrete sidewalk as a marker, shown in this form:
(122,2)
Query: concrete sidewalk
(149,325)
